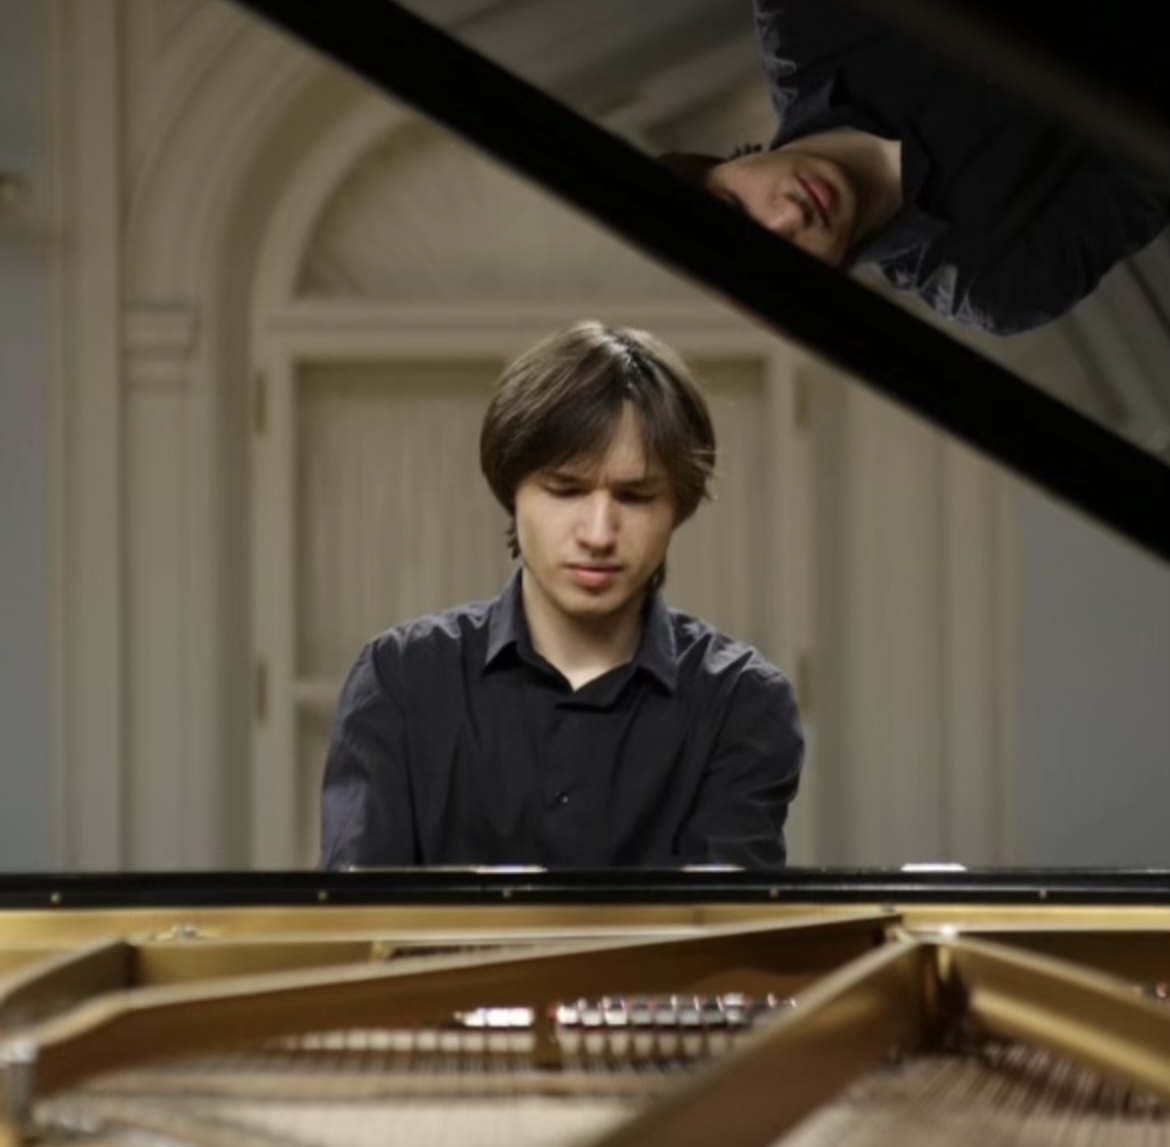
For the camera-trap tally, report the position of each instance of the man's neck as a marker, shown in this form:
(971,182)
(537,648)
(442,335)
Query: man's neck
(875,166)
(581,649)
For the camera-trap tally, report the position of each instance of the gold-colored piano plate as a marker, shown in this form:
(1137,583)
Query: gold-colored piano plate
(770,958)
(65,925)
(1051,1003)
(208,977)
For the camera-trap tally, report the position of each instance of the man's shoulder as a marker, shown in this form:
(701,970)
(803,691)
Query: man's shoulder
(424,653)
(446,630)
(709,652)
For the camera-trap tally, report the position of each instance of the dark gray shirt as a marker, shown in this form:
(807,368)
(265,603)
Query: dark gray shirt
(456,743)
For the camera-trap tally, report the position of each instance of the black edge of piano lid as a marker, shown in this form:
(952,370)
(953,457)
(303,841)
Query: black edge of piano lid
(780,286)
(421,887)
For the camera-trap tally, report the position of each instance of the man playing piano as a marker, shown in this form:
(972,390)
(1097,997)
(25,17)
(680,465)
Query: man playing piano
(575,720)
(888,156)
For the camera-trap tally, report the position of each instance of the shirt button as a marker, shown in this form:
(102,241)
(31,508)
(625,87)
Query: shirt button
(561,799)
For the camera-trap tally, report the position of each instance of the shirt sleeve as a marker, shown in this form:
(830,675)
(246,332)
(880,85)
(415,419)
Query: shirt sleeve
(366,809)
(802,43)
(742,804)
(1058,259)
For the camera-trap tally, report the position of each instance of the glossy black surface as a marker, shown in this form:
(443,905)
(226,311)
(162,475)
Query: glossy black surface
(477,887)
(1100,68)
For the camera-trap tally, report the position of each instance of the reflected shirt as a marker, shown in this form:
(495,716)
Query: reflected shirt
(456,743)
(1008,220)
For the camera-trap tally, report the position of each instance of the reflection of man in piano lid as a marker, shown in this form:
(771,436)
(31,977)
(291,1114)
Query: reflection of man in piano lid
(888,156)
(824,193)
(574,720)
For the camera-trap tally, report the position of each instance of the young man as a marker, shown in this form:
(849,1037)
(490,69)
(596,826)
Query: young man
(574,720)
(890,156)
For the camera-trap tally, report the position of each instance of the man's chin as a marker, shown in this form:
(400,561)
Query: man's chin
(587,602)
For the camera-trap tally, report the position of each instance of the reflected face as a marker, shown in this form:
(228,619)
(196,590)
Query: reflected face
(800,196)
(592,533)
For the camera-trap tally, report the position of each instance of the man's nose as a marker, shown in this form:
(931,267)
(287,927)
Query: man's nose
(786,218)
(597,525)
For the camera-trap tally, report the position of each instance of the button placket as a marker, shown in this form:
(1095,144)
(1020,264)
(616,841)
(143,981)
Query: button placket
(567,728)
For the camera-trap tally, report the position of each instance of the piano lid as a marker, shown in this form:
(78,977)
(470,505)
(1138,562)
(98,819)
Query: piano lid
(868,336)
(1092,68)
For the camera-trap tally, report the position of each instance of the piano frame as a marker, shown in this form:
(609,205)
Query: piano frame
(103,972)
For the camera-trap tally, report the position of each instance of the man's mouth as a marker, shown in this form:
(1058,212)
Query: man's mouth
(820,194)
(593,574)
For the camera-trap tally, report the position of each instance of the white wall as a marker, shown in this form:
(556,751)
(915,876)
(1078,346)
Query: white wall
(1094,695)
(25,788)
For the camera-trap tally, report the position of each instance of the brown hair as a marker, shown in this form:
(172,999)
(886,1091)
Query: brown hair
(562,400)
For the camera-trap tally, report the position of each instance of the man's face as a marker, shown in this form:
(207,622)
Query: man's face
(800,196)
(593,533)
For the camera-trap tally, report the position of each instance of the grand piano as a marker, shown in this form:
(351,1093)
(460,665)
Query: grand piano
(922,1005)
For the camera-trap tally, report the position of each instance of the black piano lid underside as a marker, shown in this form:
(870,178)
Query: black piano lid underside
(1101,68)
(785,289)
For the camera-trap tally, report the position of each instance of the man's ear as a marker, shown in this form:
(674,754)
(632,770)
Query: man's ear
(690,166)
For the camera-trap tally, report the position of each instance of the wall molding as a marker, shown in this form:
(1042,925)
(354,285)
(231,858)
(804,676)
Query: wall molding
(318,176)
(160,343)
(142,413)
(88,421)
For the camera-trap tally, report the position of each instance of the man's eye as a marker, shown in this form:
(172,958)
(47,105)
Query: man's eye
(562,491)
(635,499)
(733,202)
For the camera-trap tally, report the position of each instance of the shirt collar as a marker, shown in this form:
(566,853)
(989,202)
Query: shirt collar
(657,652)
(506,621)
(915,227)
